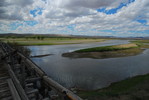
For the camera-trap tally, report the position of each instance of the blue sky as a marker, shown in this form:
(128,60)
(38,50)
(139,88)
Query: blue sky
(113,10)
(78,17)
(37,11)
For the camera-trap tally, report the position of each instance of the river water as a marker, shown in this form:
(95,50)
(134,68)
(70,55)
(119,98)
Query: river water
(87,73)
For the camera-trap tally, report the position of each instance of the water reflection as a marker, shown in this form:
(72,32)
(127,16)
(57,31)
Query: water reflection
(89,73)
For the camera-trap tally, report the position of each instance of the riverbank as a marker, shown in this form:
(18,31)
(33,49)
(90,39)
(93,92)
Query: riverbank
(135,88)
(123,50)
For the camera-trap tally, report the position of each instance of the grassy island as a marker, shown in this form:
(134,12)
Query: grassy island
(109,48)
(123,50)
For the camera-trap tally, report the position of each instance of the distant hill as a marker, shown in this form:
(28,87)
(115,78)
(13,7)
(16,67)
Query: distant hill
(17,35)
(50,35)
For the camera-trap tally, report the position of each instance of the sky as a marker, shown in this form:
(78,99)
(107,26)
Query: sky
(122,18)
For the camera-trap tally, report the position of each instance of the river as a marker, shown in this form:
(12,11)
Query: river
(87,73)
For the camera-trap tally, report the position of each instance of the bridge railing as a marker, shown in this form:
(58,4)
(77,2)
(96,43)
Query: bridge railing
(35,70)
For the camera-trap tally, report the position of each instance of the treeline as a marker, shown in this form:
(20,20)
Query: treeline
(22,49)
(34,36)
(38,37)
(42,36)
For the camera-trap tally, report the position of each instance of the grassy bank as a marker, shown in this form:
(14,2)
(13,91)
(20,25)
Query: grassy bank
(106,52)
(109,48)
(142,43)
(124,50)
(50,41)
(135,88)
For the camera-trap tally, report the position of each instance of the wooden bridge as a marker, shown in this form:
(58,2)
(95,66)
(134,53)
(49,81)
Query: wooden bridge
(22,79)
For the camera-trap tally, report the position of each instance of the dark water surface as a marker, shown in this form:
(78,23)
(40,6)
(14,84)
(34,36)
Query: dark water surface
(87,73)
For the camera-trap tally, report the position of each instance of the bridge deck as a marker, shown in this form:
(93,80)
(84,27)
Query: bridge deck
(5,92)
(7,88)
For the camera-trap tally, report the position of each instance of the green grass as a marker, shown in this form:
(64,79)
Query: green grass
(114,51)
(106,48)
(34,43)
(99,49)
(141,41)
(128,86)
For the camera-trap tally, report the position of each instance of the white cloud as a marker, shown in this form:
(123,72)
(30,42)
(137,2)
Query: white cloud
(58,14)
(22,3)
(93,4)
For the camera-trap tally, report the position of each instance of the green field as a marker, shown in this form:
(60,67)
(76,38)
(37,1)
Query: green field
(141,41)
(50,41)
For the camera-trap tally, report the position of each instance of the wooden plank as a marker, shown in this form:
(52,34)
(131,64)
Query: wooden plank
(3,83)
(13,90)
(5,95)
(17,84)
(3,74)
(6,98)
(4,90)
(34,79)
(33,91)
(29,85)
(5,77)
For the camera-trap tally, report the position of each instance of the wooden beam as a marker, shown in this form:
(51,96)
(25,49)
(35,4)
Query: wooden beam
(27,61)
(61,89)
(5,77)
(29,80)
(13,90)
(32,91)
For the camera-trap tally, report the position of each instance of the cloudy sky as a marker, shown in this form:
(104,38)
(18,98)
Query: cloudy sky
(76,17)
